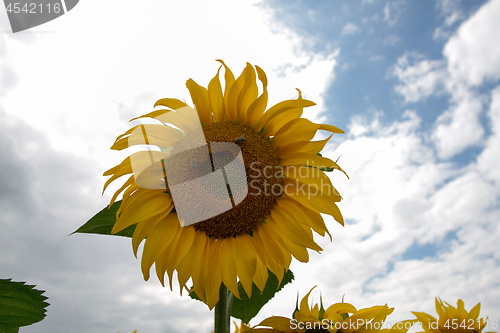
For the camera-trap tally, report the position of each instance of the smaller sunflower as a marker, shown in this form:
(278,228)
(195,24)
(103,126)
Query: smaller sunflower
(241,329)
(452,319)
(337,318)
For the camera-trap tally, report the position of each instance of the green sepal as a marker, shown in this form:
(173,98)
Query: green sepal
(20,305)
(296,306)
(325,169)
(247,308)
(321,309)
(102,223)
(193,295)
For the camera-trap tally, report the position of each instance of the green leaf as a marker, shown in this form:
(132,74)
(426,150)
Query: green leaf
(247,308)
(193,295)
(102,223)
(20,305)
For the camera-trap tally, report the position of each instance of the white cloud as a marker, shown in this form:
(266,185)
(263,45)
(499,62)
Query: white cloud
(450,10)
(419,78)
(472,54)
(76,87)
(471,57)
(350,29)
(459,127)
(392,12)
(76,82)
(488,159)
(400,194)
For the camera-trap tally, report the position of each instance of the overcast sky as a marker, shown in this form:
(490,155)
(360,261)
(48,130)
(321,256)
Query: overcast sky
(415,85)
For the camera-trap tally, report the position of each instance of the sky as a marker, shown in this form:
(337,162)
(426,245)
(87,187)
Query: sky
(414,84)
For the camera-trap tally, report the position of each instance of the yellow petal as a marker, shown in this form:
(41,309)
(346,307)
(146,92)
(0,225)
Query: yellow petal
(228,78)
(304,307)
(248,93)
(152,207)
(300,253)
(474,312)
(425,320)
(247,263)
(313,177)
(233,95)
(152,114)
(213,280)
(129,182)
(305,159)
(303,146)
(150,134)
(158,240)
(339,308)
(190,264)
(165,257)
(439,307)
(331,128)
(144,228)
(305,215)
(181,119)
(172,103)
(295,130)
(199,95)
(279,108)
(292,230)
(278,323)
(313,199)
(257,108)
(376,314)
(199,276)
(135,199)
(228,265)
(269,243)
(180,248)
(261,275)
(216,98)
(277,122)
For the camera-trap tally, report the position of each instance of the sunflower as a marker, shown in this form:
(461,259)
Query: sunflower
(241,329)
(270,214)
(334,319)
(452,319)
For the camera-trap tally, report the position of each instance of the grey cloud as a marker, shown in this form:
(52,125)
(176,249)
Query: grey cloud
(8,77)
(94,283)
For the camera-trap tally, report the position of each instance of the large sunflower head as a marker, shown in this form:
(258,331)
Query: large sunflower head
(452,319)
(337,318)
(228,190)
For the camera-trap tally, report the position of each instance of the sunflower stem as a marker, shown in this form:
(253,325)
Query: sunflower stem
(223,311)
